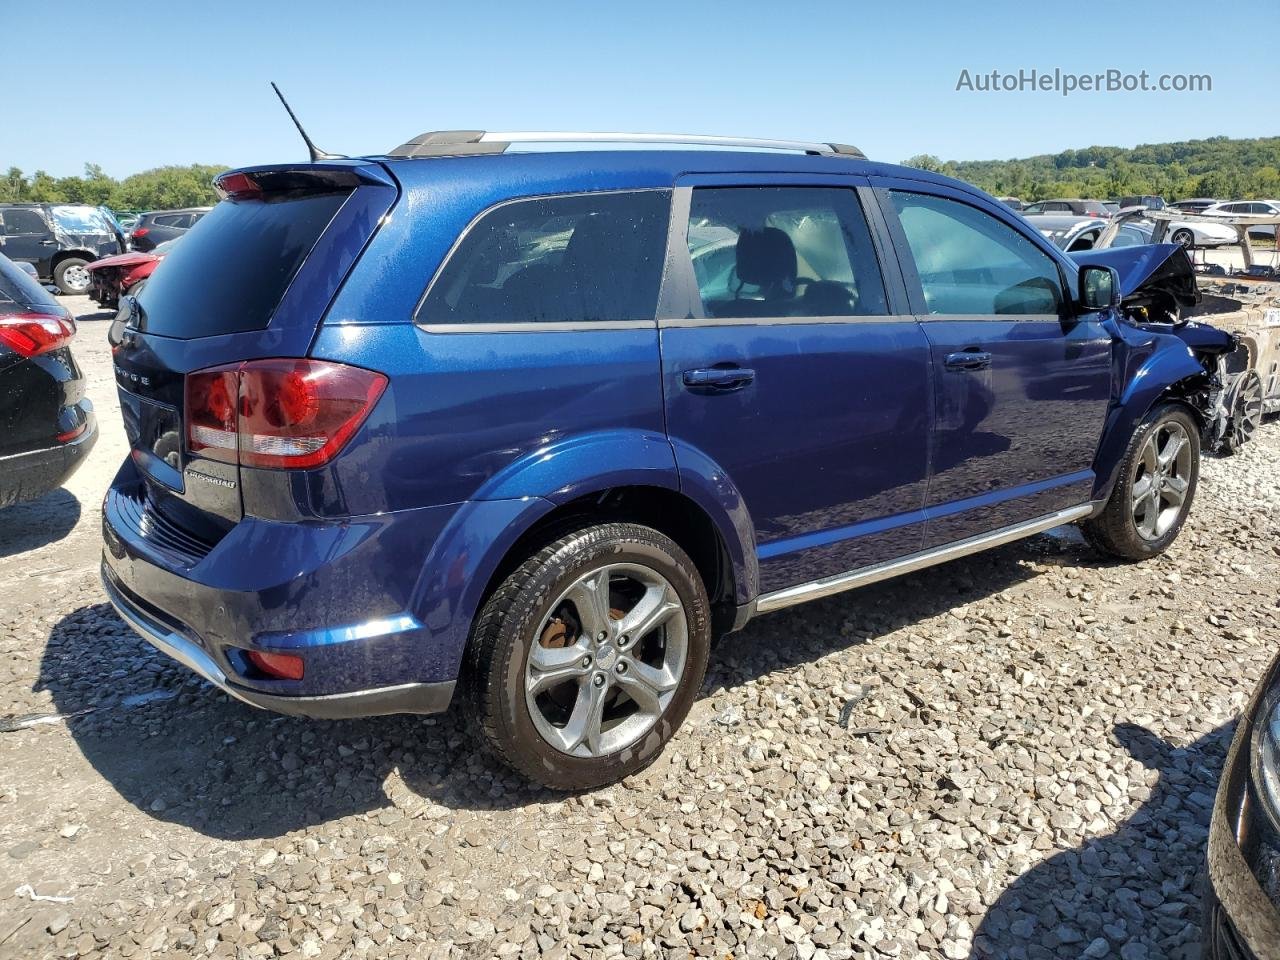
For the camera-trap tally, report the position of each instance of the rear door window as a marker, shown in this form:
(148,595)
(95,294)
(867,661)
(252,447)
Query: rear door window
(229,276)
(23,222)
(783,252)
(585,258)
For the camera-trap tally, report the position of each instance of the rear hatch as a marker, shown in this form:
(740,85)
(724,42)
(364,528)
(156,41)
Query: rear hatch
(251,280)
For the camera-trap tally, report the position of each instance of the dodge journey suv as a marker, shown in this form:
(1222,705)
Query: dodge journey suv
(529,429)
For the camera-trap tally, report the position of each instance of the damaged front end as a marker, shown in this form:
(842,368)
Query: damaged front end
(1160,294)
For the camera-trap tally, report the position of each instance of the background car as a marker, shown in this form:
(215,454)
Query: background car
(1256,208)
(47,425)
(1242,896)
(1068,232)
(1013,203)
(1081,208)
(59,240)
(1194,204)
(1150,202)
(156,226)
(1188,233)
(112,277)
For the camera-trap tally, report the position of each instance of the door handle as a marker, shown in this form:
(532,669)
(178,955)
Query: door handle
(718,379)
(968,360)
(48,243)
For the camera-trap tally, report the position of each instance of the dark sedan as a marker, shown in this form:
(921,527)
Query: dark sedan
(47,425)
(156,226)
(1242,896)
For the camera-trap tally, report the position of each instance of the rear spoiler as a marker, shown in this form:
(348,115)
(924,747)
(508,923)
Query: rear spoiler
(298,179)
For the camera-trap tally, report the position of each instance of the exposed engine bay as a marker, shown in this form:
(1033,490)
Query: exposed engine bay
(1160,292)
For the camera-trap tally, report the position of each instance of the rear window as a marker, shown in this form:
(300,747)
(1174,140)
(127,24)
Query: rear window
(572,259)
(230,273)
(17,287)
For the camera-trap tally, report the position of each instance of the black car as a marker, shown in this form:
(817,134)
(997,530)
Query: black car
(156,226)
(58,239)
(1193,204)
(1150,202)
(47,426)
(1242,896)
(1075,206)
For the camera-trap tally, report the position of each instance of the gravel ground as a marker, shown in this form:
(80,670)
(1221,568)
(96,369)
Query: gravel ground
(1032,743)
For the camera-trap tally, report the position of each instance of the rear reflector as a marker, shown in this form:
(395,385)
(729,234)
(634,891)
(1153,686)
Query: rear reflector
(283,666)
(71,434)
(31,334)
(278,414)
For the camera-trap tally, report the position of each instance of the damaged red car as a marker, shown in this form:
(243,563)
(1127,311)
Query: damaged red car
(112,277)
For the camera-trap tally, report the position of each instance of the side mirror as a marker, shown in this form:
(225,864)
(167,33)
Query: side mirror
(1099,288)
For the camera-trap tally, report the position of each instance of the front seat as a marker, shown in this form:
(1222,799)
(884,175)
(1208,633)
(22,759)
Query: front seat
(765,258)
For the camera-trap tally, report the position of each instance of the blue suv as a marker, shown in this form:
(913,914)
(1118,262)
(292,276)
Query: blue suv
(534,426)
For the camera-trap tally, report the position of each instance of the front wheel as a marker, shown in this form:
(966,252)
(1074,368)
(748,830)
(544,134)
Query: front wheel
(1153,493)
(71,276)
(587,658)
(1184,237)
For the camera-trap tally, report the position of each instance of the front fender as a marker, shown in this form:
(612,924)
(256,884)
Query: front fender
(1149,365)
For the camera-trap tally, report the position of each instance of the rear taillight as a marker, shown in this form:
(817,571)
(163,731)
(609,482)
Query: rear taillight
(278,414)
(140,232)
(31,334)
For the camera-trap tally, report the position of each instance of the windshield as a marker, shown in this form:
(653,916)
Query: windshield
(76,219)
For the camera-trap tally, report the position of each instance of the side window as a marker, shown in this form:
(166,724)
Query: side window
(970,263)
(18,221)
(587,257)
(169,220)
(783,252)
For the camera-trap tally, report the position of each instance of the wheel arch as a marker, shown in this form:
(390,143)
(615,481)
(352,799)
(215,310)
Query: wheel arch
(87,255)
(1166,376)
(625,475)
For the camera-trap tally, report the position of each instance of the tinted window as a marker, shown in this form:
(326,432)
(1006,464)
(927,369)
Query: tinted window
(783,252)
(229,275)
(168,220)
(18,221)
(579,258)
(971,263)
(16,286)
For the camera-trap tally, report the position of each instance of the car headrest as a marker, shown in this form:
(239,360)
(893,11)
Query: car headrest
(765,257)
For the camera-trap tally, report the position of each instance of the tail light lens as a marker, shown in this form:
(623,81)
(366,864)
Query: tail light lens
(31,334)
(140,232)
(278,414)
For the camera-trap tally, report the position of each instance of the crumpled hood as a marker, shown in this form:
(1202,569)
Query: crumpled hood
(123,260)
(1148,270)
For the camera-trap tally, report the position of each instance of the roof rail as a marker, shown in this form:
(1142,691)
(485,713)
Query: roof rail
(451,143)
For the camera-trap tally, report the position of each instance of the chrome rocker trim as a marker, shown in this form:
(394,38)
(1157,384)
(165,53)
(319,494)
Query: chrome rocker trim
(838,583)
(404,698)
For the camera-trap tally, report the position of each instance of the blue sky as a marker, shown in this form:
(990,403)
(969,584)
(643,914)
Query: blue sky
(186,82)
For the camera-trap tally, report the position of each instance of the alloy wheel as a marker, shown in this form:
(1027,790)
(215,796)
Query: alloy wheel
(606,660)
(1161,480)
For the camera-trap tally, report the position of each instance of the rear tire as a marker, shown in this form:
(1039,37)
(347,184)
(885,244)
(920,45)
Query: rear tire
(1154,490)
(71,276)
(588,656)
(1184,237)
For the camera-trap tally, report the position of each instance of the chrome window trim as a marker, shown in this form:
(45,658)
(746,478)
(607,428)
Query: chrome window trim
(786,321)
(535,326)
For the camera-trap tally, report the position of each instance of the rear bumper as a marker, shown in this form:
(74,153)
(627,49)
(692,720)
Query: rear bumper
(404,698)
(26,476)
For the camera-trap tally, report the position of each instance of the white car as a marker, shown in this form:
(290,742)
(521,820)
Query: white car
(1257,208)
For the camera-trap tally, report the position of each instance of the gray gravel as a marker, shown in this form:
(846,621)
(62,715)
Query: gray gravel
(1028,754)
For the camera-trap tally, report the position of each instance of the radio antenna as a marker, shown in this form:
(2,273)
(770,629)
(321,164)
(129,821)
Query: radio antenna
(316,152)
